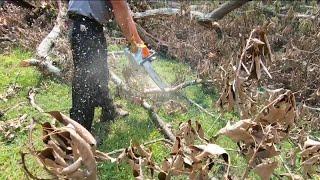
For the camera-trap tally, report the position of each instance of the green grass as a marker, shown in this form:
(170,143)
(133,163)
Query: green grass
(137,126)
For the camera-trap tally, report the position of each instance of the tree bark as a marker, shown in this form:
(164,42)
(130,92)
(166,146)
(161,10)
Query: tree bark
(43,59)
(223,10)
(215,15)
(156,12)
(20,3)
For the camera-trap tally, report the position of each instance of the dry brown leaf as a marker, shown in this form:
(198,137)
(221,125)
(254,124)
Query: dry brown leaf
(310,156)
(238,131)
(281,110)
(209,150)
(265,169)
(83,132)
(292,176)
(199,130)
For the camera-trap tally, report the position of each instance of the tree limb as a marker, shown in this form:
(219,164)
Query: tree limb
(47,43)
(223,10)
(46,67)
(160,123)
(156,12)
(178,87)
(215,15)
(44,48)
(296,15)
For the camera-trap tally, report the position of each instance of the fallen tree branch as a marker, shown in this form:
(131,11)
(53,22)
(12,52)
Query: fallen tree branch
(215,15)
(178,87)
(43,59)
(160,123)
(156,12)
(296,15)
(311,108)
(223,10)
(47,43)
(46,67)
(155,117)
(31,97)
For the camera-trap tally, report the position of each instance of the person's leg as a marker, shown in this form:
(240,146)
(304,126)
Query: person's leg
(103,96)
(83,90)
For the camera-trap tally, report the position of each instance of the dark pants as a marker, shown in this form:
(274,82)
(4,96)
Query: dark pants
(90,81)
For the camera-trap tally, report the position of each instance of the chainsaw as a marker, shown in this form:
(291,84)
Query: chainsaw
(139,62)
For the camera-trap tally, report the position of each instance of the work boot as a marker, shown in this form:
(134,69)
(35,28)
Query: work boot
(121,112)
(101,132)
(113,113)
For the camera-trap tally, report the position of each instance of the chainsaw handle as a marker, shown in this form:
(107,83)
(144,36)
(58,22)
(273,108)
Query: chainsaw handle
(149,58)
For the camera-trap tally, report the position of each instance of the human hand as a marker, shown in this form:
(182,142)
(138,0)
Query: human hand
(144,49)
(145,52)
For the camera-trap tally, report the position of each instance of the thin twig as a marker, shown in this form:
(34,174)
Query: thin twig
(312,108)
(200,107)
(31,97)
(285,166)
(178,87)
(26,170)
(13,107)
(246,172)
(239,65)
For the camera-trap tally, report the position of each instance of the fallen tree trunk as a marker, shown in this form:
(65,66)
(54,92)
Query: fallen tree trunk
(270,12)
(215,15)
(223,10)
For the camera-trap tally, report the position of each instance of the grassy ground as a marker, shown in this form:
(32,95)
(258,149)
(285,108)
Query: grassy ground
(137,126)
